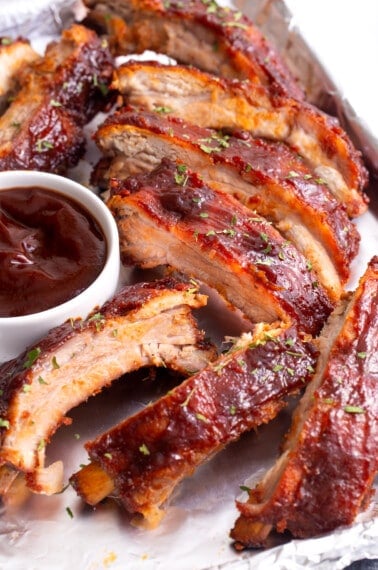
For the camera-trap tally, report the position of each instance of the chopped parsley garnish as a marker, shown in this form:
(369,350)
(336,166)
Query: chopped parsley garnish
(54,363)
(144,449)
(202,418)
(354,410)
(181,176)
(4,423)
(31,357)
(42,145)
(163,110)
(69,512)
(361,355)
(55,103)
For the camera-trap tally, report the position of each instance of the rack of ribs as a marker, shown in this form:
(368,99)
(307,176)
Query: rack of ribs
(218,40)
(42,127)
(324,477)
(210,101)
(267,176)
(147,324)
(15,55)
(171,217)
(141,460)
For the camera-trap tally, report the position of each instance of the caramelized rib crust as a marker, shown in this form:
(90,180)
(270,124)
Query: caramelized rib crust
(324,477)
(266,176)
(169,216)
(209,101)
(148,454)
(41,129)
(148,324)
(188,32)
(15,55)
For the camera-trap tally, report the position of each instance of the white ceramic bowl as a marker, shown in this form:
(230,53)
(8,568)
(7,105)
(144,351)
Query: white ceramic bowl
(17,333)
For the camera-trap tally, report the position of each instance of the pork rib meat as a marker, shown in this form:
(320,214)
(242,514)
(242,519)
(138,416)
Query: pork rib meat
(188,32)
(324,477)
(171,217)
(148,324)
(210,101)
(267,176)
(141,460)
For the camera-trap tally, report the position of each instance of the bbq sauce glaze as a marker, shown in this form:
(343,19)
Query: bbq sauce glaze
(51,249)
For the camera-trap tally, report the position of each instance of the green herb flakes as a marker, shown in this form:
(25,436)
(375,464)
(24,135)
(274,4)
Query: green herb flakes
(69,512)
(43,145)
(202,418)
(55,363)
(354,410)
(31,357)
(144,449)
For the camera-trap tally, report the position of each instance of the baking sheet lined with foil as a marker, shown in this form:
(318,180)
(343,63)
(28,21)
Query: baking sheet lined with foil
(60,531)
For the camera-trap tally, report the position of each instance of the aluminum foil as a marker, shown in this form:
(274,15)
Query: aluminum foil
(41,533)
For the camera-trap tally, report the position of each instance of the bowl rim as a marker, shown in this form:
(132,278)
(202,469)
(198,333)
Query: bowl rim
(96,208)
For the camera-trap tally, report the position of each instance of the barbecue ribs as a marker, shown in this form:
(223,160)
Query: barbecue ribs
(42,128)
(141,460)
(267,176)
(324,477)
(170,216)
(15,55)
(148,324)
(196,32)
(210,101)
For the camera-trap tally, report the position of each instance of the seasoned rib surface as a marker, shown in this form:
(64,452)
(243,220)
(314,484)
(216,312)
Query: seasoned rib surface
(325,475)
(15,55)
(267,176)
(219,40)
(209,101)
(143,458)
(170,216)
(41,129)
(148,324)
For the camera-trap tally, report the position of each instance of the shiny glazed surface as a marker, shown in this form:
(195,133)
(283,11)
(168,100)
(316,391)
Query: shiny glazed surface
(51,249)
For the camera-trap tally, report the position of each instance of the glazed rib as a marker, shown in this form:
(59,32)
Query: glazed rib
(148,324)
(209,101)
(170,216)
(267,176)
(41,129)
(324,477)
(15,55)
(218,40)
(141,460)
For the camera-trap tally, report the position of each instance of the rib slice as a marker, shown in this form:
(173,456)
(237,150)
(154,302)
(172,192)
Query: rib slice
(209,101)
(216,39)
(148,324)
(169,216)
(41,129)
(267,176)
(324,477)
(141,460)
(15,55)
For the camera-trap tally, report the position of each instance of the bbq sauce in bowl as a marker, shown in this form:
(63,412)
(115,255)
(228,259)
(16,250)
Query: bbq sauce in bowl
(51,249)
(58,240)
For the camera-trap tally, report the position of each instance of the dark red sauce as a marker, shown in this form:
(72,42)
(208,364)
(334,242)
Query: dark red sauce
(51,249)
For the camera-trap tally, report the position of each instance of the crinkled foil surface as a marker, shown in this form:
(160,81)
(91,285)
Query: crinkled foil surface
(39,533)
